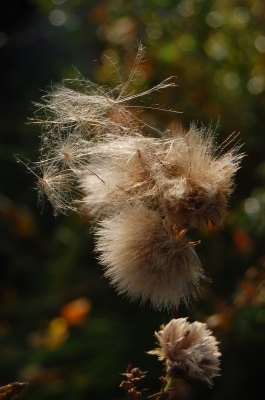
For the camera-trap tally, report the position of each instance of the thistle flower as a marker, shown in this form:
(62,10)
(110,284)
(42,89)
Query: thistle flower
(182,176)
(149,191)
(189,350)
(75,120)
(145,261)
(195,179)
(91,131)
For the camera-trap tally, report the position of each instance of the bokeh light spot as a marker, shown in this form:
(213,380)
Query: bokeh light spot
(260,44)
(256,84)
(76,312)
(214,320)
(242,240)
(251,206)
(214,19)
(119,29)
(251,272)
(215,48)
(57,333)
(241,15)
(186,8)
(231,80)
(57,17)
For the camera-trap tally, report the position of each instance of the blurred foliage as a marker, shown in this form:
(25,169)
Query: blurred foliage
(61,326)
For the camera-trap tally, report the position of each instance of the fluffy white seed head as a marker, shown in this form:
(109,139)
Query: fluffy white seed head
(196,181)
(149,191)
(143,260)
(182,176)
(189,350)
(78,116)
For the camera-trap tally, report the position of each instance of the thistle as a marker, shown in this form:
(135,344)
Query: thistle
(185,177)
(188,350)
(145,193)
(145,260)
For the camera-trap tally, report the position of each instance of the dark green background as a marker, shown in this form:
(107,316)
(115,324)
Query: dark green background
(217,51)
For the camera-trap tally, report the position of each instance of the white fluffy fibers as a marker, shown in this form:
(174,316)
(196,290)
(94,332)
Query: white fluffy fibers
(189,350)
(195,180)
(144,261)
(183,176)
(118,174)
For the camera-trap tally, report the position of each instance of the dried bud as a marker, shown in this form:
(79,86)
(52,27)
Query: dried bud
(189,350)
(133,375)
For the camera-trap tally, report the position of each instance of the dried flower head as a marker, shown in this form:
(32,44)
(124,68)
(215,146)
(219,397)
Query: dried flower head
(182,176)
(144,260)
(196,177)
(189,350)
(78,116)
(149,191)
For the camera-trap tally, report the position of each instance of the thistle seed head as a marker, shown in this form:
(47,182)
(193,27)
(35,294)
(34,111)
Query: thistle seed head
(188,350)
(148,191)
(182,176)
(196,181)
(145,261)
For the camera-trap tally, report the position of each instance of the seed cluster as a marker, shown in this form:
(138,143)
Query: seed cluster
(145,193)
